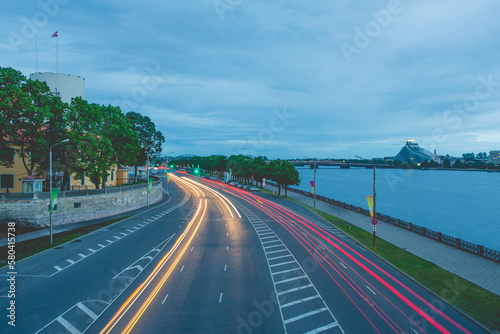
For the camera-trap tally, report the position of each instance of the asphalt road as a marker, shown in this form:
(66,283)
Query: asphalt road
(221,262)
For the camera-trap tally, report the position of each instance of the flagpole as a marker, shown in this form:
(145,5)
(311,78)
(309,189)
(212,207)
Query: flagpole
(36,52)
(57,54)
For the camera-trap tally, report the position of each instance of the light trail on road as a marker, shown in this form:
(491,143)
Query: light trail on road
(323,245)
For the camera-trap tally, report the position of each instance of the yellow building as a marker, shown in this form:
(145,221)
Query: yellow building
(10,179)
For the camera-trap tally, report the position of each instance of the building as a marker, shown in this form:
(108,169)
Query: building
(67,86)
(414,154)
(494,157)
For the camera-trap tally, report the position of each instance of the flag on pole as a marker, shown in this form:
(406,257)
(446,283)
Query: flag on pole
(369,199)
(55,34)
(53,199)
(150,184)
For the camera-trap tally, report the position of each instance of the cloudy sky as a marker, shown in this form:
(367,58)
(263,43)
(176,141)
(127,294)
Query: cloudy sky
(278,78)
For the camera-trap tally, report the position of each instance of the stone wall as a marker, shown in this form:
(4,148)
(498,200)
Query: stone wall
(71,208)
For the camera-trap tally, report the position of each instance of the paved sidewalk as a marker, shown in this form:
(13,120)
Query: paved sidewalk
(480,271)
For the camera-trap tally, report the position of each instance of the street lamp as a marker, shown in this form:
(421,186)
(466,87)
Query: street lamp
(374,202)
(50,183)
(166,162)
(314,188)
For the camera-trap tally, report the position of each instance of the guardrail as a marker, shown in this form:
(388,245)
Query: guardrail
(466,246)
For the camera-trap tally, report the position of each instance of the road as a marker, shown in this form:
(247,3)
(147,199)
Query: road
(217,259)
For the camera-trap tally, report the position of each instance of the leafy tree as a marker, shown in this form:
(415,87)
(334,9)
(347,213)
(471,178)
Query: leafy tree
(150,139)
(283,173)
(446,163)
(259,169)
(424,164)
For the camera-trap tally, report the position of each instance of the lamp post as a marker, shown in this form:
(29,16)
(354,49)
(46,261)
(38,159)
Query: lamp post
(314,188)
(147,179)
(50,185)
(374,202)
(166,162)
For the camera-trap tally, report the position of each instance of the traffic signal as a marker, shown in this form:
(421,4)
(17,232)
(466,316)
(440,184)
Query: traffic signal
(196,171)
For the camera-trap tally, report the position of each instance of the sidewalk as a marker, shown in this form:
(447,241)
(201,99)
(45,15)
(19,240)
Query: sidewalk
(475,269)
(68,227)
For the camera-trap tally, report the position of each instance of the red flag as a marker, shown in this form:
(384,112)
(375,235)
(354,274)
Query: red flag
(55,34)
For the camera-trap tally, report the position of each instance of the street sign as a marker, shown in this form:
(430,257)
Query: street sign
(374,221)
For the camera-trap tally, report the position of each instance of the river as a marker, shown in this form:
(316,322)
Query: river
(462,204)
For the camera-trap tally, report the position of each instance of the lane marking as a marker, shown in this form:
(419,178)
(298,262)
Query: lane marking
(58,268)
(88,311)
(294,289)
(324,328)
(290,279)
(343,265)
(227,247)
(371,290)
(282,263)
(299,301)
(192,248)
(225,267)
(305,315)
(220,298)
(285,271)
(164,299)
(68,326)
(182,269)
(71,261)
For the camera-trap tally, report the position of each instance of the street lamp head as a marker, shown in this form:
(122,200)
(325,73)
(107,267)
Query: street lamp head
(65,141)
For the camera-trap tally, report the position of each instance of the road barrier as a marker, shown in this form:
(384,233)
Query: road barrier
(469,247)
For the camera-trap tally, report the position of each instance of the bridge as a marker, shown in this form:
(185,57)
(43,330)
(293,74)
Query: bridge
(341,163)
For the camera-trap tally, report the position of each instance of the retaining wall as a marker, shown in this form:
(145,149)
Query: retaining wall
(79,205)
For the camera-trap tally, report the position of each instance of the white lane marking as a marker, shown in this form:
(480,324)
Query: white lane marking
(273,236)
(305,315)
(220,298)
(58,268)
(227,234)
(277,251)
(164,299)
(285,271)
(290,279)
(282,263)
(299,301)
(71,261)
(413,330)
(182,269)
(88,311)
(68,326)
(225,267)
(100,245)
(371,290)
(324,328)
(294,289)
(280,245)
(227,247)
(343,265)
(280,257)
(192,248)
(91,250)
(82,256)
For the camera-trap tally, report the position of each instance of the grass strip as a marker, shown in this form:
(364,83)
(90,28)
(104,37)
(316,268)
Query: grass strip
(28,248)
(477,302)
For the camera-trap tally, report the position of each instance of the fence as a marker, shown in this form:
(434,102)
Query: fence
(478,250)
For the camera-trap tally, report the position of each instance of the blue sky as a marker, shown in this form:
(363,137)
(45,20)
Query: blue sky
(279,78)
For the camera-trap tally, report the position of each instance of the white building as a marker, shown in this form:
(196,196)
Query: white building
(67,86)
(495,157)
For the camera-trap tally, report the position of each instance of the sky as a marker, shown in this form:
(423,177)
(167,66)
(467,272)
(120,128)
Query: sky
(284,79)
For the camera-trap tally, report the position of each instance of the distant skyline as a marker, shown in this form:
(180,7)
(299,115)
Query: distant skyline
(281,79)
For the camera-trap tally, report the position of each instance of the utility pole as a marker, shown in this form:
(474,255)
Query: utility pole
(374,208)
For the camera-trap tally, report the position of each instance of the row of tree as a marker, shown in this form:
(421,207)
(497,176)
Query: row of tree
(245,168)
(32,119)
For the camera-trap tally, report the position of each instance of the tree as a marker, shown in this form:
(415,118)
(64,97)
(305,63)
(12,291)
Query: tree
(149,138)
(283,173)
(446,163)
(259,169)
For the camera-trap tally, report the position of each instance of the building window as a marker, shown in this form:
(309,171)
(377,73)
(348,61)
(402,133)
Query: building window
(112,176)
(6,181)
